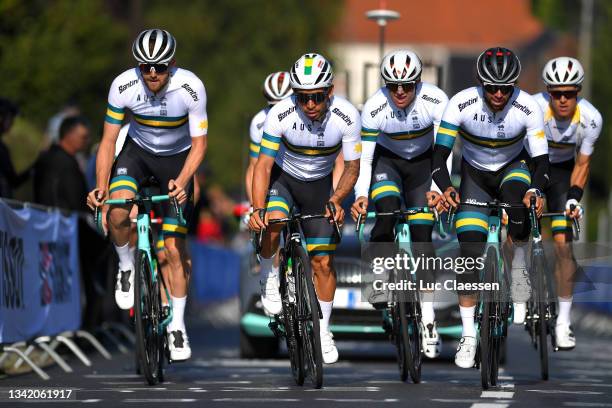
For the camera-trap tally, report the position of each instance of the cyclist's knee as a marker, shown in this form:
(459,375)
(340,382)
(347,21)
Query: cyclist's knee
(118,217)
(563,250)
(175,248)
(471,243)
(322,265)
(421,233)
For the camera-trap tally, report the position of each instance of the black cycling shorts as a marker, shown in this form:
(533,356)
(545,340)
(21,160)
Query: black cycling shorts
(308,197)
(556,195)
(135,166)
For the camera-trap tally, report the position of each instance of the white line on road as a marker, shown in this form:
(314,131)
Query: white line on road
(566,392)
(256,400)
(357,399)
(587,404)
(161,400)
(488,405)
(346,389)
(112,376)
(497,394)
(207,382)
(584,384)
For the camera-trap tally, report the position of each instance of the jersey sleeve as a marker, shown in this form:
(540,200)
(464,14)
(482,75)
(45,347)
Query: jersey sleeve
(534,127)
(196,103)
(370,130)
(255,139)
(591,134)
(449,125)
(351,140)
(115,109)
(272,135)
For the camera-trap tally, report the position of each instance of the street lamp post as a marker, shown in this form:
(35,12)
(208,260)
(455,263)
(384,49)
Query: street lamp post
(381,16)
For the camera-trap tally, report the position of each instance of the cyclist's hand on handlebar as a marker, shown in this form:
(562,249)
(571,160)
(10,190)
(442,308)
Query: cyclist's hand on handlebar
(256,223)
(450,202)
(436,201)
(360,206)
(178,191)
(576,212)
(539,202)
(96,198)
(338,216)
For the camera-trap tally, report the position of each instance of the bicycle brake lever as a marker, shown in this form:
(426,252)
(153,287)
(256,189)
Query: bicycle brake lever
(178,211)
(332,210)
(358,223)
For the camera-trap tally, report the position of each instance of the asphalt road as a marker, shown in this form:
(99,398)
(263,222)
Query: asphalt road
(365,376)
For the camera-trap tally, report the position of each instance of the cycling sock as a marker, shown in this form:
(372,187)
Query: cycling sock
(266,267)
(126,258)
(326,309)
(518,261)
(427,309)
(565,305)
(467,321)
(178,312)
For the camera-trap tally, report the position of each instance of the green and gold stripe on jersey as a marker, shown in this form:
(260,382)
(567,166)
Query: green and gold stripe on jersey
(491,143)
(410,134)
(161,122)
(369,135)
(312,151)
(114,115)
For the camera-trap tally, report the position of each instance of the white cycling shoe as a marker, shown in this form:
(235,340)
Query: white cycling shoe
(124,288)
(519,312)
(466,352)
(178,343)
(270,297)
(328,347)
(564,337)
(430,340)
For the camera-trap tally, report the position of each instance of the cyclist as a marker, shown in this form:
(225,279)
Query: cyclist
(397,133)
(572,126)
(167,141)
(493,120)
(302,137)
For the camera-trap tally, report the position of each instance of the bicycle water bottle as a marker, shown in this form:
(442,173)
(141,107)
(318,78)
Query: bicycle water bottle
(290,281)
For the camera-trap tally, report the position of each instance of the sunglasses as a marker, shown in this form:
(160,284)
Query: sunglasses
(159,68)
(492,89)
(316,97)
(567,94)
(406,86)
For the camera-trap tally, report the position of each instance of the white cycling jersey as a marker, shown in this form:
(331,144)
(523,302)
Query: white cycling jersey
(407,132)
(256,131)
(568,136)
(161,123)
(491,140)
(307,149)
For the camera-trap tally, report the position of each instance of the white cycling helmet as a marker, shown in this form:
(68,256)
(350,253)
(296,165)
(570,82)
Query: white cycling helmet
(154,46)
(311,71)
(401,66)
(563,71)
(277,87)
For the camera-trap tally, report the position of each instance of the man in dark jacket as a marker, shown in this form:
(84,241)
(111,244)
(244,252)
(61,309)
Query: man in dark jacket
(9,179)
(58,179)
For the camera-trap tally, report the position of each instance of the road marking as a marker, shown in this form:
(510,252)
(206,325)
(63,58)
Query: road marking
(346,389)
(505,377)
(506,385)
(161,400)
(455,401)
(123,382)
(584,384)
(497,394)
(566,392)
(587,404)
(207,382)
(90,401)
(357,399)
(255,389)
(112,376)
(256,400)
(488,405)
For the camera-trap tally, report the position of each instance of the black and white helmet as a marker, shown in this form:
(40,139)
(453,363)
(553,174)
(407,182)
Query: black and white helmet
(498,66)
(311,71)
(563,71)
(154,46)
(277,86)
(401,66)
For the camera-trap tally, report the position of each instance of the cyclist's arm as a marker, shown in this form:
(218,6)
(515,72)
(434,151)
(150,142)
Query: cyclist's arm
(581,170)
(437,112)
(248,179)
(538,146)
(193,160)
(370,130)
(351,150)
(106,154)
(445,140)
(338,170)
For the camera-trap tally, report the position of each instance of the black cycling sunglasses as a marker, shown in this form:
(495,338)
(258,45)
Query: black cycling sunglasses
(505,89)
(406,86)
(567,94)
(316,97)
(159,68)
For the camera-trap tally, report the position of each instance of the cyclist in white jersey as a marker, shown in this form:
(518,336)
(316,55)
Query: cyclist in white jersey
(493,119)
(166,141)
(572,127)
(302,136)
(398,125)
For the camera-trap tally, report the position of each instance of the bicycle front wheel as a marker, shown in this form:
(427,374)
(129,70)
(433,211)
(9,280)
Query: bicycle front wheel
(539,272)
(308,315)
(486,345)
(411,330)
(147,310)
(290,321)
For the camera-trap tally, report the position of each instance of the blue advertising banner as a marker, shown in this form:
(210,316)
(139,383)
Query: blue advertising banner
(39,273)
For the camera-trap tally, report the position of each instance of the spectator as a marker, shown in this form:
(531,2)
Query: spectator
(9,179)
(58,179)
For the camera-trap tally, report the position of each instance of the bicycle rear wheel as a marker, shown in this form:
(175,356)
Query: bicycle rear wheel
(147,310)
(401,342)
(412,332)
(542,307)
(308,316)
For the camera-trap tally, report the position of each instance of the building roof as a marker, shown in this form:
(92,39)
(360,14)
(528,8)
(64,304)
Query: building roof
(453,23)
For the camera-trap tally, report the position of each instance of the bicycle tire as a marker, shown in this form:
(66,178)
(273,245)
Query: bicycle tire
(291,329)
(542,326)
(485,321)
(414,354)
(147,309)
(400,341)
(308,312)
